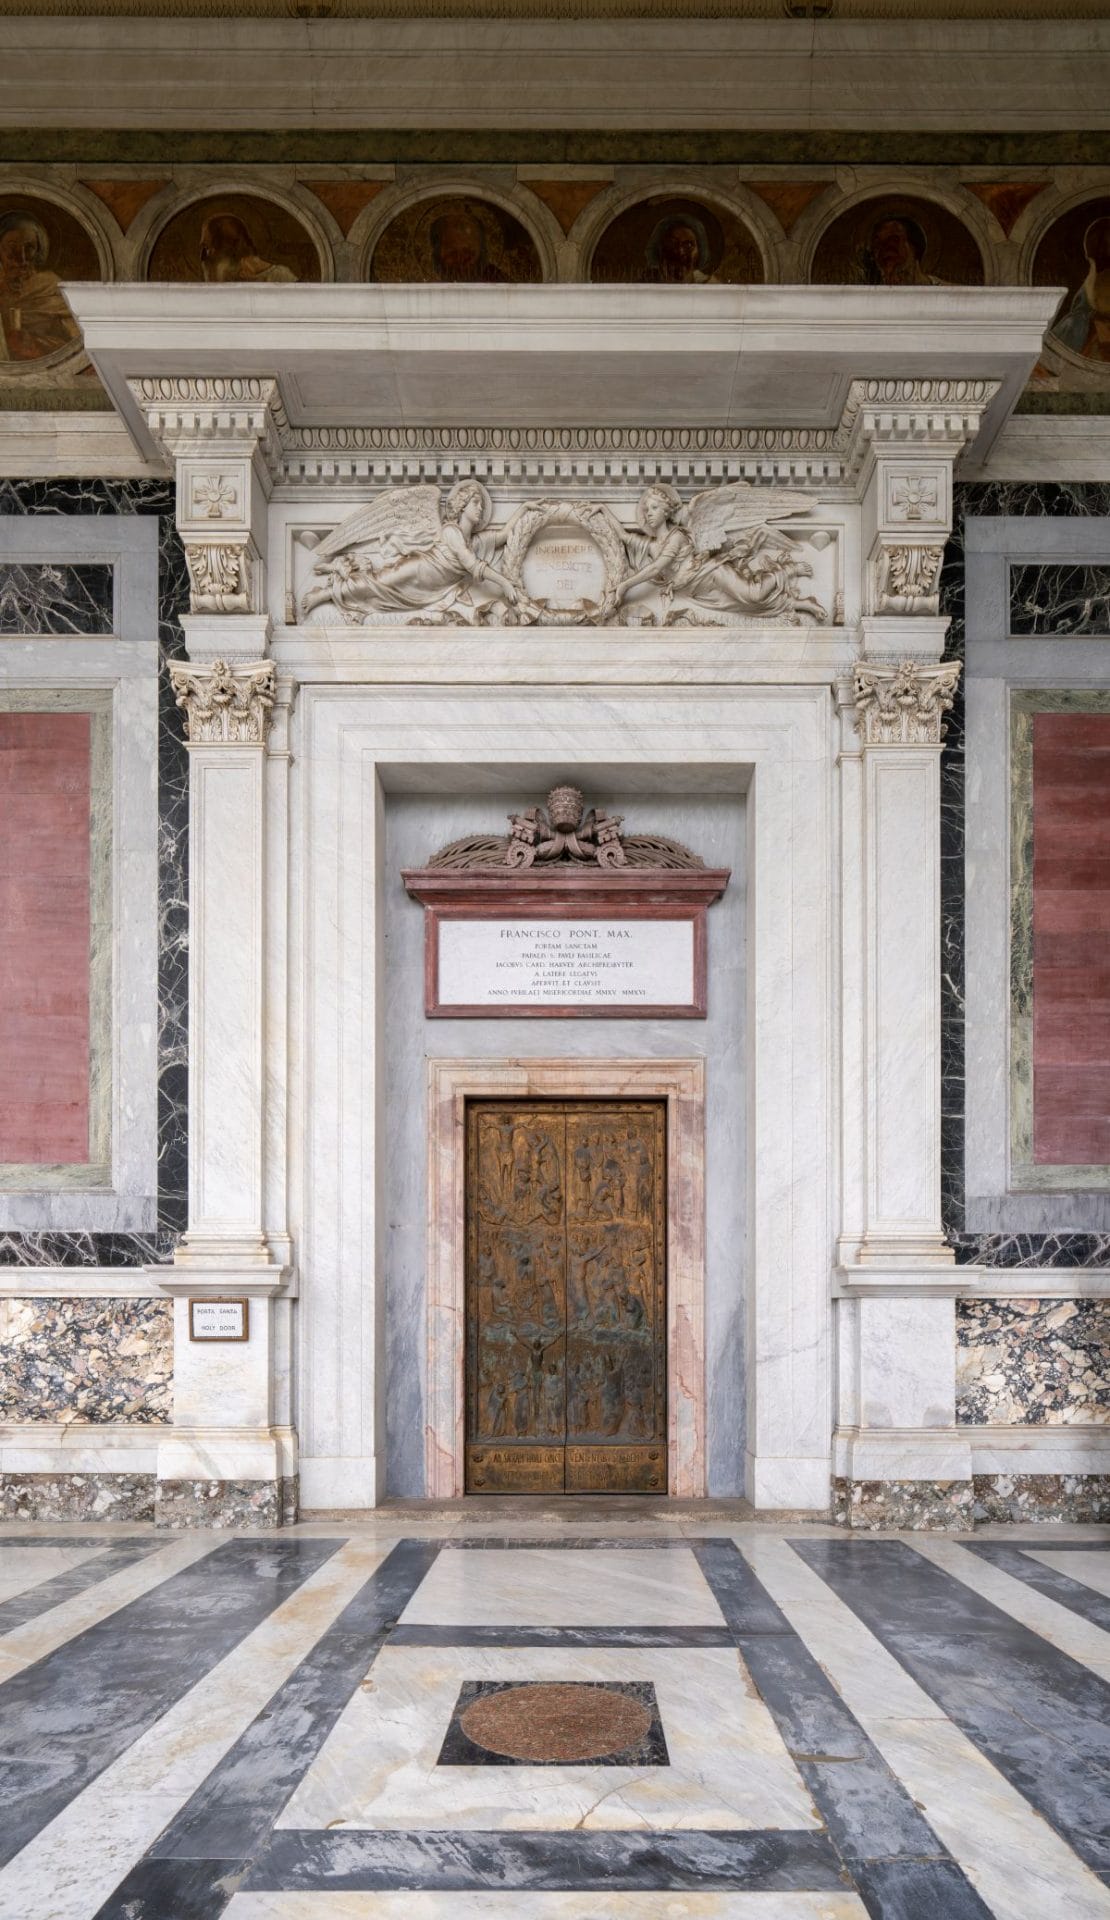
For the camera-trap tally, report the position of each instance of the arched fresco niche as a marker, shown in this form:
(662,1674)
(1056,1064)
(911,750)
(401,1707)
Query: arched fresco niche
(674,239)
(454,238)
(41,245)
(897,240)
(234,237)
(1075,253)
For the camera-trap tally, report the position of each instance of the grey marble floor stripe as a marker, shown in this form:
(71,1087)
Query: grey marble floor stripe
(868,1812)
(69,1715)
(545,1861)
(477,1636)
(231,1815)
(63,1586)
(1056,1585)
(569,1543)
(1040,1717)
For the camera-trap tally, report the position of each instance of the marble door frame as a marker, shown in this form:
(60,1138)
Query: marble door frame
(450,1084)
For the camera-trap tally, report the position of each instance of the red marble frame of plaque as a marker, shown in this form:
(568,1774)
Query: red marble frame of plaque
(638,893)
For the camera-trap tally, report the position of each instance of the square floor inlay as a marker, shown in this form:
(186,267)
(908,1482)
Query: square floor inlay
(555,1723)
(596,1587)
(727,1766)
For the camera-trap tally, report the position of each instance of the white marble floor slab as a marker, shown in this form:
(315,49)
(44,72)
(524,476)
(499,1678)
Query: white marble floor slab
(596,1587)
(22,1568)
(728,1765)
(547,1906)
(1022,1868)
(83,1854)
(1093,1567)
(1058,1624)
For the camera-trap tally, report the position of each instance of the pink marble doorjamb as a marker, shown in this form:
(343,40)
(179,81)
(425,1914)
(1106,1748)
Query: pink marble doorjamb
(682,1084)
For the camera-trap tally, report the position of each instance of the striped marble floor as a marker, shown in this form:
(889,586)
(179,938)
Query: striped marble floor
(646,1722)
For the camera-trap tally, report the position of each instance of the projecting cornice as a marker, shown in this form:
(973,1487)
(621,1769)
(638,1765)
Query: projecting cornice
(382,384)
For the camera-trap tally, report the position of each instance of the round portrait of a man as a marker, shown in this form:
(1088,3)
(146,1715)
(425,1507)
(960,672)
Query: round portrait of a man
(41,246)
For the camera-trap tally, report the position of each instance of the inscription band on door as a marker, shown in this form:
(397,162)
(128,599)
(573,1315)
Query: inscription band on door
(566,1296)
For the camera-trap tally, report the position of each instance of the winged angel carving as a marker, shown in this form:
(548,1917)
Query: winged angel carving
(717,560)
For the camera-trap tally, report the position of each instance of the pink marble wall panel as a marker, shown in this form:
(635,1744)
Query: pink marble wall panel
(1071,939)
(45,847)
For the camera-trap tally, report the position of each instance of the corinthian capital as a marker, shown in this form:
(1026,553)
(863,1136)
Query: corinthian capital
(904,705)
(225,704)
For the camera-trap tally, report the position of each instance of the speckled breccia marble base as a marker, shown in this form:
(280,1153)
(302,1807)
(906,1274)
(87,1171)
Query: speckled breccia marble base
(1032,1362)
(260,1505)
(87,1361)
(876,1505)
(77,1496)
(1075,1499)
(958,1506)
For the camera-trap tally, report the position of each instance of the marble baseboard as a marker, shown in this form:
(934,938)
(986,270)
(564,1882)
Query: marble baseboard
(259,1505)
(1081,1499)
(77,1496)
(871,1506)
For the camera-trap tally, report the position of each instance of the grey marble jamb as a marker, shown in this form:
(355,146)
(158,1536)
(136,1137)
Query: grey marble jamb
(713,825)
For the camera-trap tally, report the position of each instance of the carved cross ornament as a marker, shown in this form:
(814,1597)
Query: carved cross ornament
(225,703)
(905,705)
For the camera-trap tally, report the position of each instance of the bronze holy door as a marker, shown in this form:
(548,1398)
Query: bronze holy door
(566,1325)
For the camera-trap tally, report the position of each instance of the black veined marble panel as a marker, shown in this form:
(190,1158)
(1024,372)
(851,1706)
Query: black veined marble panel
(1031,500)
(40,597)
(1059,599)
(62,498)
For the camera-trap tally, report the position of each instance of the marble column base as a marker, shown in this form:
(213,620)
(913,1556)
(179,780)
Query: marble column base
(258,1505)
(77,1496)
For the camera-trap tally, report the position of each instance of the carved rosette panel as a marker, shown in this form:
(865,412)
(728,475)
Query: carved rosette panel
(904,705)
(225,703)
(219,577)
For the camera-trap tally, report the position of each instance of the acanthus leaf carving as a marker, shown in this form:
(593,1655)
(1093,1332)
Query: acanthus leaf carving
(219,577)
(904,705)
(720,559)
(907,576)
(225,703)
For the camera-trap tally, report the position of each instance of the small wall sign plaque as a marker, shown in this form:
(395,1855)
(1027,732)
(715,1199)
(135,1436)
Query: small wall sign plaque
(219,1319)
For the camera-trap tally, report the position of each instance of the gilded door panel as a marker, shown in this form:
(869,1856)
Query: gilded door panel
(566,1319)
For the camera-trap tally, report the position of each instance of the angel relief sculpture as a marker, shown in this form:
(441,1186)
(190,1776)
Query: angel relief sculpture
(402,555)
(720,552)
(719,560)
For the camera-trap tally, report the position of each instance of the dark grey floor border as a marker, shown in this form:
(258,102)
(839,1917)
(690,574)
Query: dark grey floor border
(1040,1717)
(870,1816)
(114,1556)
(480,1636)
(571,1543)
(89,1540)
(551,1860)
(1087,1601)
(70,1714)
(201,1857)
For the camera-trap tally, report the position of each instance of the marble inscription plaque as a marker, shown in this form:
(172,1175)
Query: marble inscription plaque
(564,567)
(553,964)
(219,1320)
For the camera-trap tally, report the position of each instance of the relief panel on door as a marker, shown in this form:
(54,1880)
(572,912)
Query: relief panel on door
(566,1305)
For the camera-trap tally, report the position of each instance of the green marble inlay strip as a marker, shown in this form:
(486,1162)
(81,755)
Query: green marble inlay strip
(96,1172)
(1027,1175)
